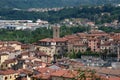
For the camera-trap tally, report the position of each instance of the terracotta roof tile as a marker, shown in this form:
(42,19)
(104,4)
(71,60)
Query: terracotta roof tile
(65,73)
(9,61)
(14,42)
(45,73)
(7,72)
(3,54)
(40,53)
(25,53)
(42,76)
(82,45)
(53,40)
(25,71)
(114,78)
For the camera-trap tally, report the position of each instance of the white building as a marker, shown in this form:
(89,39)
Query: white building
(15,27)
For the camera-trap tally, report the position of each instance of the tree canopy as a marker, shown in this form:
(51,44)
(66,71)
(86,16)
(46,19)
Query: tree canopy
(99,14)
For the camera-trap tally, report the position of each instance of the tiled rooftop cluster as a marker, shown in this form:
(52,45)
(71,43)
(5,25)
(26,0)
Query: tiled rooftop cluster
(33,61)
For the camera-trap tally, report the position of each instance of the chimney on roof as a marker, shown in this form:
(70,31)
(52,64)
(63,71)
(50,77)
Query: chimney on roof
(56,31)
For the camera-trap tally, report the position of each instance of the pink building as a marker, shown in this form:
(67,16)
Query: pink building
(94,44)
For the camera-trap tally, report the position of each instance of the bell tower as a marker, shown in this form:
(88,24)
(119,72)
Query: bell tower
(56,31)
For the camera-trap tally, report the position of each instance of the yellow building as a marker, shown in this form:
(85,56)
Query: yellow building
(10,63)
(79,47)
(48,50)
(3,57)
(16,45)
(8,74)
(53,46)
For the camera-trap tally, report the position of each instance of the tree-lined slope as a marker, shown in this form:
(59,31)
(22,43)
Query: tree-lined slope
(51,3)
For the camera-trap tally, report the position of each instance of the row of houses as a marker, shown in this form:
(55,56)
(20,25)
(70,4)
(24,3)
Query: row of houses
(31,66)
(76,21)
(44,9)
(33,61)
(25,62)
(46,73)
(17,60)
(95,40)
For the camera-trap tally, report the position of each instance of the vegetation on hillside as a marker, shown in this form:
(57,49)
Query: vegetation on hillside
(28,36)
(98,14)
(52,3)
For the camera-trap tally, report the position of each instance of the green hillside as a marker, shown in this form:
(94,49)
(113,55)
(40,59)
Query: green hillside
(51,3)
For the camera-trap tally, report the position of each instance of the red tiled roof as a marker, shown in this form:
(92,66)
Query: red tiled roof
(44,70)
(14,42)
(42,76)
(9,61)
(82,34)
(25,71)
(114,78)
(60,39)
(7,72)
(81,45)
(45,73)
(35,64)
(7,48)
(46,40)
(1,42)
(93,39)
(106,44)
(3,54)
(97,34)
(40,53)
(23,78)
(53,40)
(25,53)
(65,73)
(71,36)
(24,46)
(116,36)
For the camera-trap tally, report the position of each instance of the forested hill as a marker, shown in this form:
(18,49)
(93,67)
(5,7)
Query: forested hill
(51,3)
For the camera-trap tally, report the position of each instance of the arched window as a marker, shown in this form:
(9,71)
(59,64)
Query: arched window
(5,78)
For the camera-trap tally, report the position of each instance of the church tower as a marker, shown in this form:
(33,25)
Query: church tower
(56,31)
